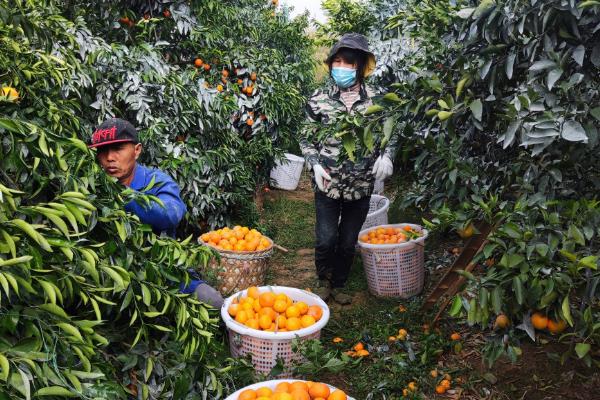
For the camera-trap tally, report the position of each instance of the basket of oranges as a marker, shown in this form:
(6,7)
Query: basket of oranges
(244,257)
(393,258)
(263,321)
(282,389)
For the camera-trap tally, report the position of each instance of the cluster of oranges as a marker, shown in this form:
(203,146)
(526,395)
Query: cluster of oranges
(240,238)
(298,390)
(358,350)
(390,235)
(273,312)
(444,382)
(410,388)
(541,322)
(402,335)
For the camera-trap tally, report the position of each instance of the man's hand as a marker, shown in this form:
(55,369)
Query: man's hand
(383,167)
(322,178)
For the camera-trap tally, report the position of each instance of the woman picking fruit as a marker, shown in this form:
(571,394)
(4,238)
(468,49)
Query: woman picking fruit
(343,183)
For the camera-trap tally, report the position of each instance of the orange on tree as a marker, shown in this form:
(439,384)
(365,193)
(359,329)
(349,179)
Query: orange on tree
(555,327)
(166,13)
(439,389)
(225,73)
(433,373)
(539,321)
(249,122)
(412,386)
(466,232)
(206,67)
(10,93)
(219,88)
(198,62)
(445,383)
(253,76)
(501,322)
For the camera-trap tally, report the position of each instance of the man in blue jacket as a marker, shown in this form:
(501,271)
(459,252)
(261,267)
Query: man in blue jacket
(118,150)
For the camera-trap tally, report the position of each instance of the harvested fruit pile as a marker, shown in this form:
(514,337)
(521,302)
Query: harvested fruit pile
(240,238)
(273,312)
(381,235)
(298,390)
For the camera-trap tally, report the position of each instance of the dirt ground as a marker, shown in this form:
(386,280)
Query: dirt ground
(537,375)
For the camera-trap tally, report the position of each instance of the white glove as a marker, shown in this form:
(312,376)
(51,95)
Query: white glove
(383,167)
(321,177)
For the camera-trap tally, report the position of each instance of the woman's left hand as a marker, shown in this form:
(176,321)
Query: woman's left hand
(383,167)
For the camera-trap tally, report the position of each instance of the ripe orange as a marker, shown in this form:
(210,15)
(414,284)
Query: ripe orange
(252,323)
(233,309)
(198,62)
(300,394)
(225,73)
(293,324)
(252,291)
(302,307)
(337,340)
(316,312)
(556,326)
(219,88)
(269,312)
(166,13)
(445,383)
(307,320)
(240,81)
(298,385)
(282,387)
(455,336)
(319,390)
(281,321)
(502,321)
(267,299)
(433,373)
(264,392)
(253,76)
(439,389)
(292,311)
(359,346)
(337,395)
(280,305)
(206,67)
(241,317)
(247,394)
(362,353)
(412,386)
(249,122)
(539,321)
(282,396)
(265,322)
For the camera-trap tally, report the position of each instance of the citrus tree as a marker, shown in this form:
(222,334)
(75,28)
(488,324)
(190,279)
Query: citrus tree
(497,108)
(89,297)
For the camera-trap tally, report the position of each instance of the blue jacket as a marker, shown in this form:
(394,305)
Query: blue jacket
(166,189)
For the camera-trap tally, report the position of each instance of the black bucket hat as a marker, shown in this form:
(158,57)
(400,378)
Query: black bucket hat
(354,41)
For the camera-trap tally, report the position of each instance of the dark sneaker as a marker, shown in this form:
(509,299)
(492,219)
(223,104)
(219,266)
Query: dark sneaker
(340,297)
(323,289)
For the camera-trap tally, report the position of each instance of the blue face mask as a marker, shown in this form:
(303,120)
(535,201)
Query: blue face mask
(344,77)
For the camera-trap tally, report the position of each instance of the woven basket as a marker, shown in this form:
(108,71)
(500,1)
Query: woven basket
(395,270)
(239,270)
(378,186)
(286,173)
(267,347)
(378,212)
(271,385)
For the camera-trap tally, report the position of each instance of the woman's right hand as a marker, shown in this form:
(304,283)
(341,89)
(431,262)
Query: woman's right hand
(322,178)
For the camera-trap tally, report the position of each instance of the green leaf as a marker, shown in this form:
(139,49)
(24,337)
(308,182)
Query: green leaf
(54,391)
(349,143)
(4,364)
(575,234)
(477,109)
(388,129)
(566,310)
(373,109)
(582,349)
(456,306)
(518,289)
(54,309)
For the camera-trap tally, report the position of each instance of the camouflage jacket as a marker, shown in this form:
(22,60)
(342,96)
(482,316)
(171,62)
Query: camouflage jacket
(349,180)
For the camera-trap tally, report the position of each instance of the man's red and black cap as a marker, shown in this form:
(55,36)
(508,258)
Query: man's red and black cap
(114,130)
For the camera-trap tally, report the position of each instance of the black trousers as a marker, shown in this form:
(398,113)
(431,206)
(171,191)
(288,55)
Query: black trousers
(337,227)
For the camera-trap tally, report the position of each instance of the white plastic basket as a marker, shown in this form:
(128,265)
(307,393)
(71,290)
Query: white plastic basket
(286,173)
(271,385)
(394,270)
(378,212)
(267,347)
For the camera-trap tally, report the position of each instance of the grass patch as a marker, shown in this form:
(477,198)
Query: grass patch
(290,223)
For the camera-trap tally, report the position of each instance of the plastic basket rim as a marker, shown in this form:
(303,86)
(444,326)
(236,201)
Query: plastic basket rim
(255,333)
(271,384)
(241,254)
(396,245)
(380,210)
(293,157)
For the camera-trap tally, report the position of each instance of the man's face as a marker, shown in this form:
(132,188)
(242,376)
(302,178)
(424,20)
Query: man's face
(118,160)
